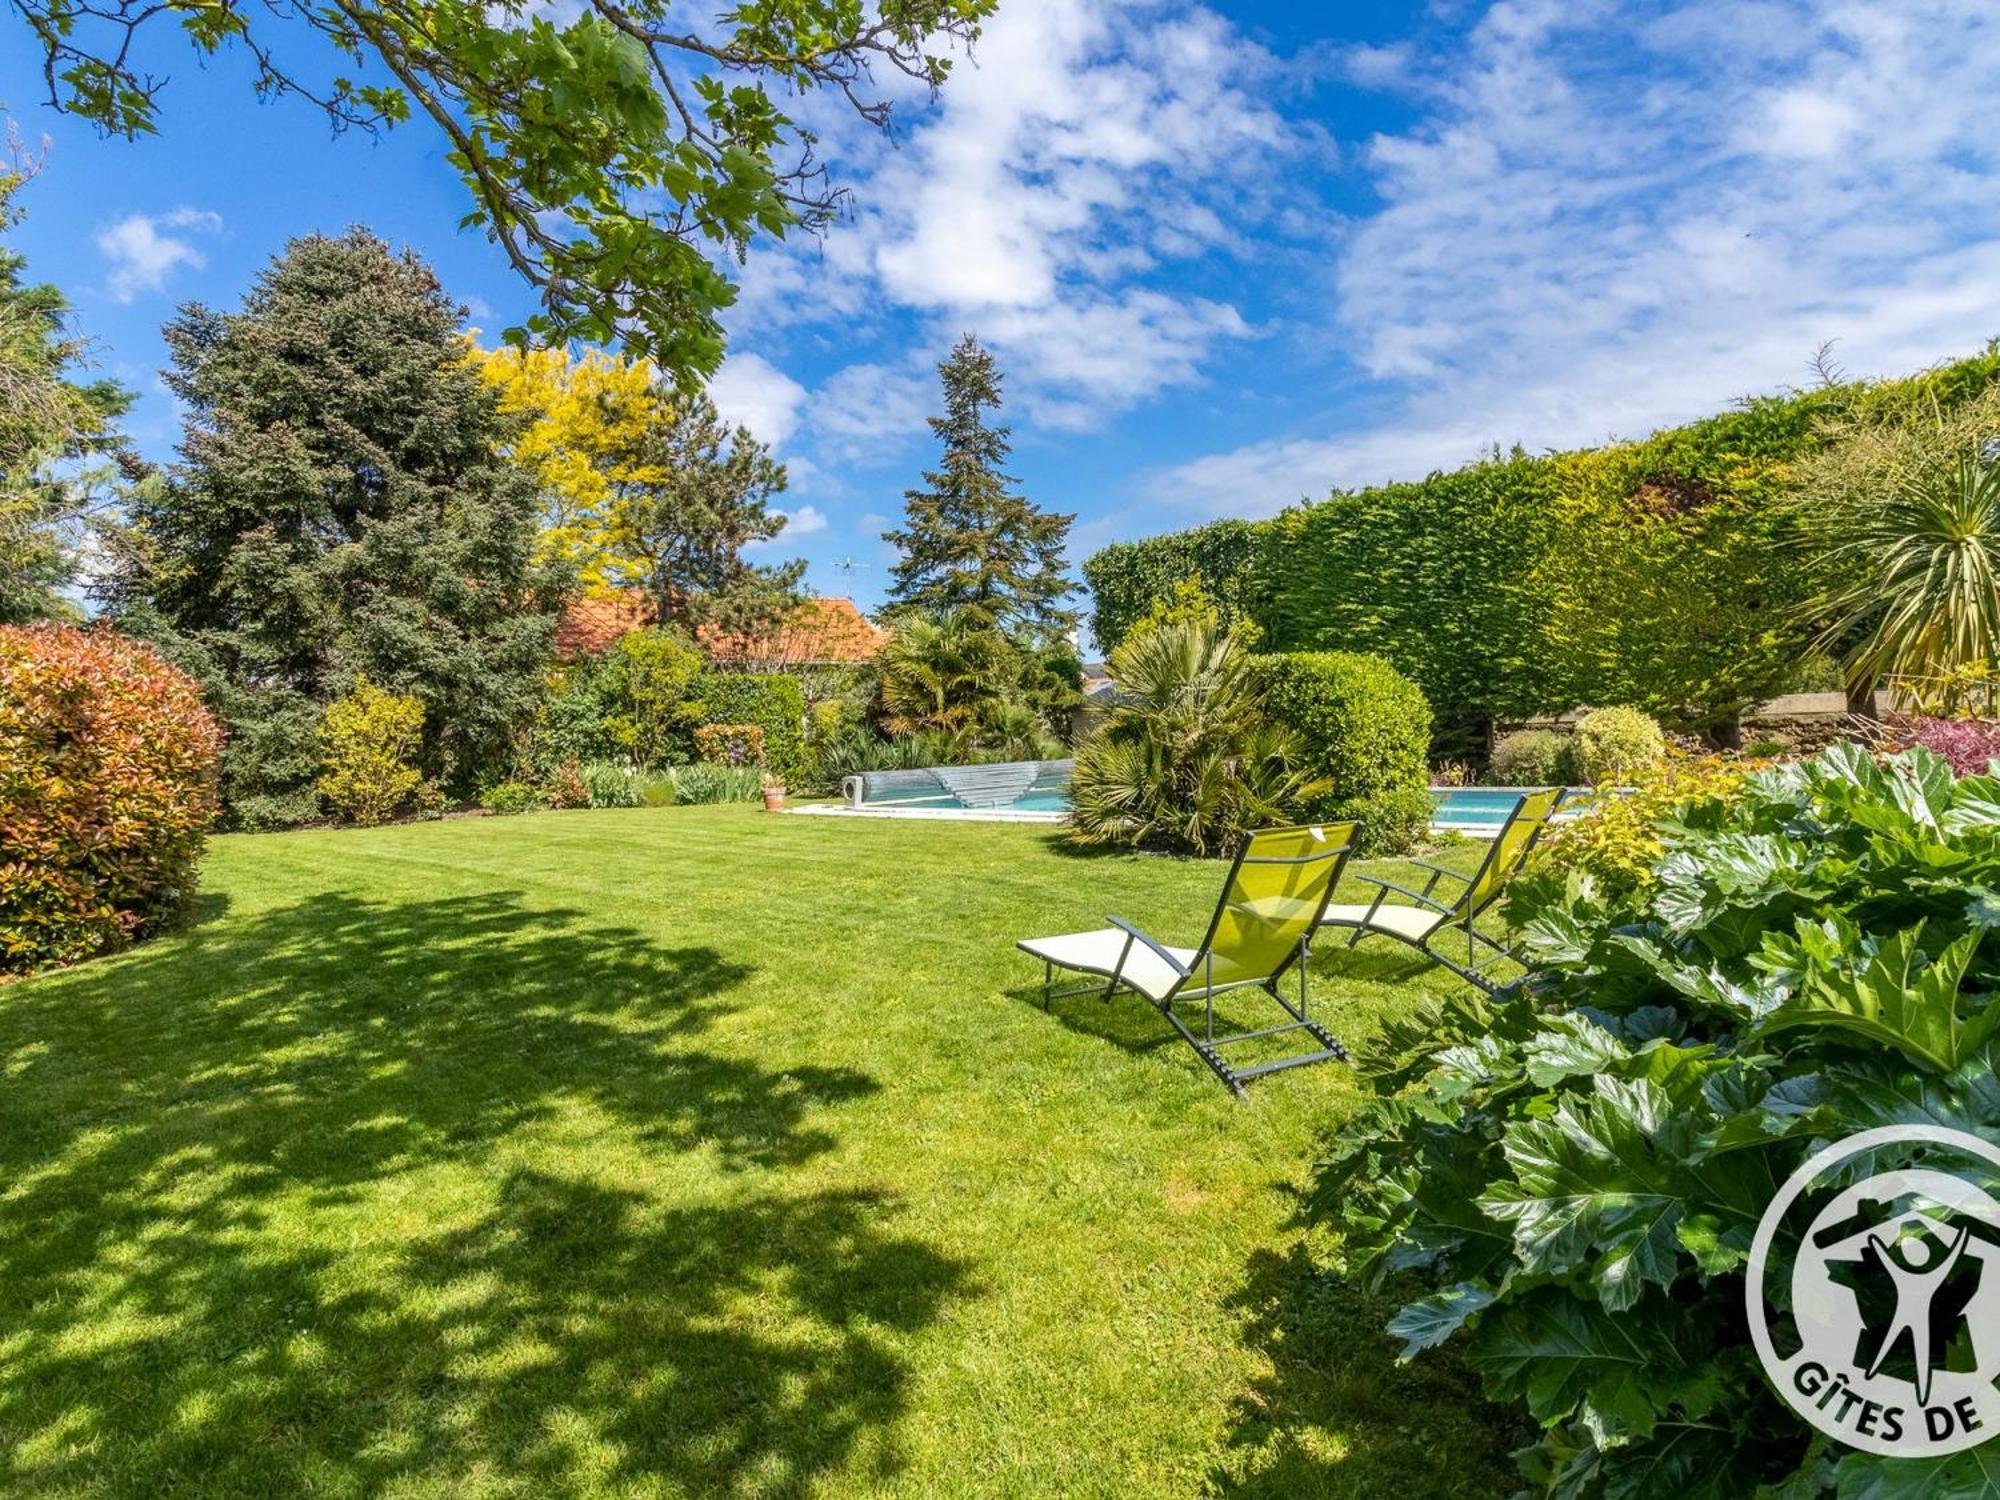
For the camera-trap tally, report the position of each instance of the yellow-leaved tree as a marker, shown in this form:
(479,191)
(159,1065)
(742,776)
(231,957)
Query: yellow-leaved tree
(585,439)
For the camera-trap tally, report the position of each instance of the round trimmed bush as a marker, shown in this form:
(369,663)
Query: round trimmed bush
(1530,757)
(107,789)
(1612,741)
(1366,728)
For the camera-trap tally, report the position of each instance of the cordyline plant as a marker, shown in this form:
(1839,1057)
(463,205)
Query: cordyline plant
(1570,1173)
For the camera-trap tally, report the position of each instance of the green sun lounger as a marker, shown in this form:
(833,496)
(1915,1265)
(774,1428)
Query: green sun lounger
(1277,890)
(1434,920)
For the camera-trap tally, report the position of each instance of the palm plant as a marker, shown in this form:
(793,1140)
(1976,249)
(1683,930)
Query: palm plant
(1925,589)
(953,678)
(1185,759)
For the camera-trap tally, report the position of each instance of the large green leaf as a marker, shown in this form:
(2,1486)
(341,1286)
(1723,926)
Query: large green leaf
(1622,1373)
(1589,1189)
(1898,996)
(1429,1321)
(1971,1475)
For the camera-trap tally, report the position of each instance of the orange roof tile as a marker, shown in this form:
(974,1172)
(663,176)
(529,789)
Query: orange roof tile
(823,632)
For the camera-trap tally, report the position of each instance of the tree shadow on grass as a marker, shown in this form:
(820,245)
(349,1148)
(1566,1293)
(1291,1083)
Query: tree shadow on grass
(188,1304)
(1337,1416)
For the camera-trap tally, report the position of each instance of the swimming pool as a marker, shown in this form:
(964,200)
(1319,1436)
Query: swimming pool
(1038,791)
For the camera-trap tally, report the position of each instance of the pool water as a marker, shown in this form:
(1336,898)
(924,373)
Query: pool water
(1473,806)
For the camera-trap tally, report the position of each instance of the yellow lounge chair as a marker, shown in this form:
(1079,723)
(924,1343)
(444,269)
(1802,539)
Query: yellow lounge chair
(1431,920)
(1277,890)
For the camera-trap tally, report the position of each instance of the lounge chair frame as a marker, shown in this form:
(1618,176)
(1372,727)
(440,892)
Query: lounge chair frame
(1486,885)
(1196,981)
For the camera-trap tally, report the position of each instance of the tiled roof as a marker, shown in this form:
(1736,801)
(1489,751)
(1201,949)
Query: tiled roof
(592,623)
(822,632)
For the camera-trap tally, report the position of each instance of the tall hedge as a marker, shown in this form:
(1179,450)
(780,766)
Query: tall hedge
(1127,577)
(773,701)
(1366,728)
(107,789)
(1666,574)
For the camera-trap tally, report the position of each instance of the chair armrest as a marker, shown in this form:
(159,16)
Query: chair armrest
(1436,870)
(1402,890)
(1165,957)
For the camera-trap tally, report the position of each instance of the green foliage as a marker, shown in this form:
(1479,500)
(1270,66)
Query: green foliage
(960,682)
(730,744)
(339,513)
(690,494)
(1128,581)
(1611,743)
(1186,759)
(1615,838)
(642,695)
(771,701)
(1573,1171)
(611,785)
(702,783)
(370,740)
(1667,574)
(659,150)
(51,429)
(1909,516)
(505,798)
(970,545)
(107,789)
(1365,729)
(1531,757)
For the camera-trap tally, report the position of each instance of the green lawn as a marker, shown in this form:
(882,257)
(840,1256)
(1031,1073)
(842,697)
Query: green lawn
(687,1151)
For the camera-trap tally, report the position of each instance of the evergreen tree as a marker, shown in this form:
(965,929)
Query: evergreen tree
(687,496)
(969,542)
(339,511)
(51,429)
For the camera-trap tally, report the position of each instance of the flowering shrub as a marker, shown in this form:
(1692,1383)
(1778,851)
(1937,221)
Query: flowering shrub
(1969,744)
(730,744)
(107,788)
(371,739)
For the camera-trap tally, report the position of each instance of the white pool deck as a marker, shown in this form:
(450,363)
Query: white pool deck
(932,814)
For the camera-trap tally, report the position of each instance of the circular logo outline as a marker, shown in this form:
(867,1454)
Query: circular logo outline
(1781,1202)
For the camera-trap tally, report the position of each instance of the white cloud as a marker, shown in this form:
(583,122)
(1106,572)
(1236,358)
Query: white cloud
(752,391)
(1567,251)
(1076,165)
(143,255)
(805,521)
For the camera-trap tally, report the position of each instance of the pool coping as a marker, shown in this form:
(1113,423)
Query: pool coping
(935,814)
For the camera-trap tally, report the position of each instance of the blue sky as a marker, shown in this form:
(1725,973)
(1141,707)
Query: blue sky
(1229,254)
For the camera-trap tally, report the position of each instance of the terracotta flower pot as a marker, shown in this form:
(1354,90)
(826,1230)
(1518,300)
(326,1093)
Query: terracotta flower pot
(774,799)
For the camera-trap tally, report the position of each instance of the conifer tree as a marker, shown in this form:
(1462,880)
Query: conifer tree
(970,542)
(341,510)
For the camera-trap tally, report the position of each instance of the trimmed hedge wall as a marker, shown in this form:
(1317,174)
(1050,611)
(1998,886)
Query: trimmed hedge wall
(1665,574)
(1367,729)
(773,701)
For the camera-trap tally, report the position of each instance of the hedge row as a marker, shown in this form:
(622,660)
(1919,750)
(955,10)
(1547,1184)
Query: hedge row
(1665,573)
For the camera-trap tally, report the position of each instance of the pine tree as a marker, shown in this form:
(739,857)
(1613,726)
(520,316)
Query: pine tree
(340,511)
(686,497)
(54,435)
(969,542)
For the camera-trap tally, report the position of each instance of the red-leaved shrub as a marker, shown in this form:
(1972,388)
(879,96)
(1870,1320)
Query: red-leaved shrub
(1967,743)
(107,788)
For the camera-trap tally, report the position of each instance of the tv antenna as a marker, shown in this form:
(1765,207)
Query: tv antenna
(847,567)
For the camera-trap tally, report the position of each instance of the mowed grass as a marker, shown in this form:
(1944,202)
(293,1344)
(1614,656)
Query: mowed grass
(679,1152)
